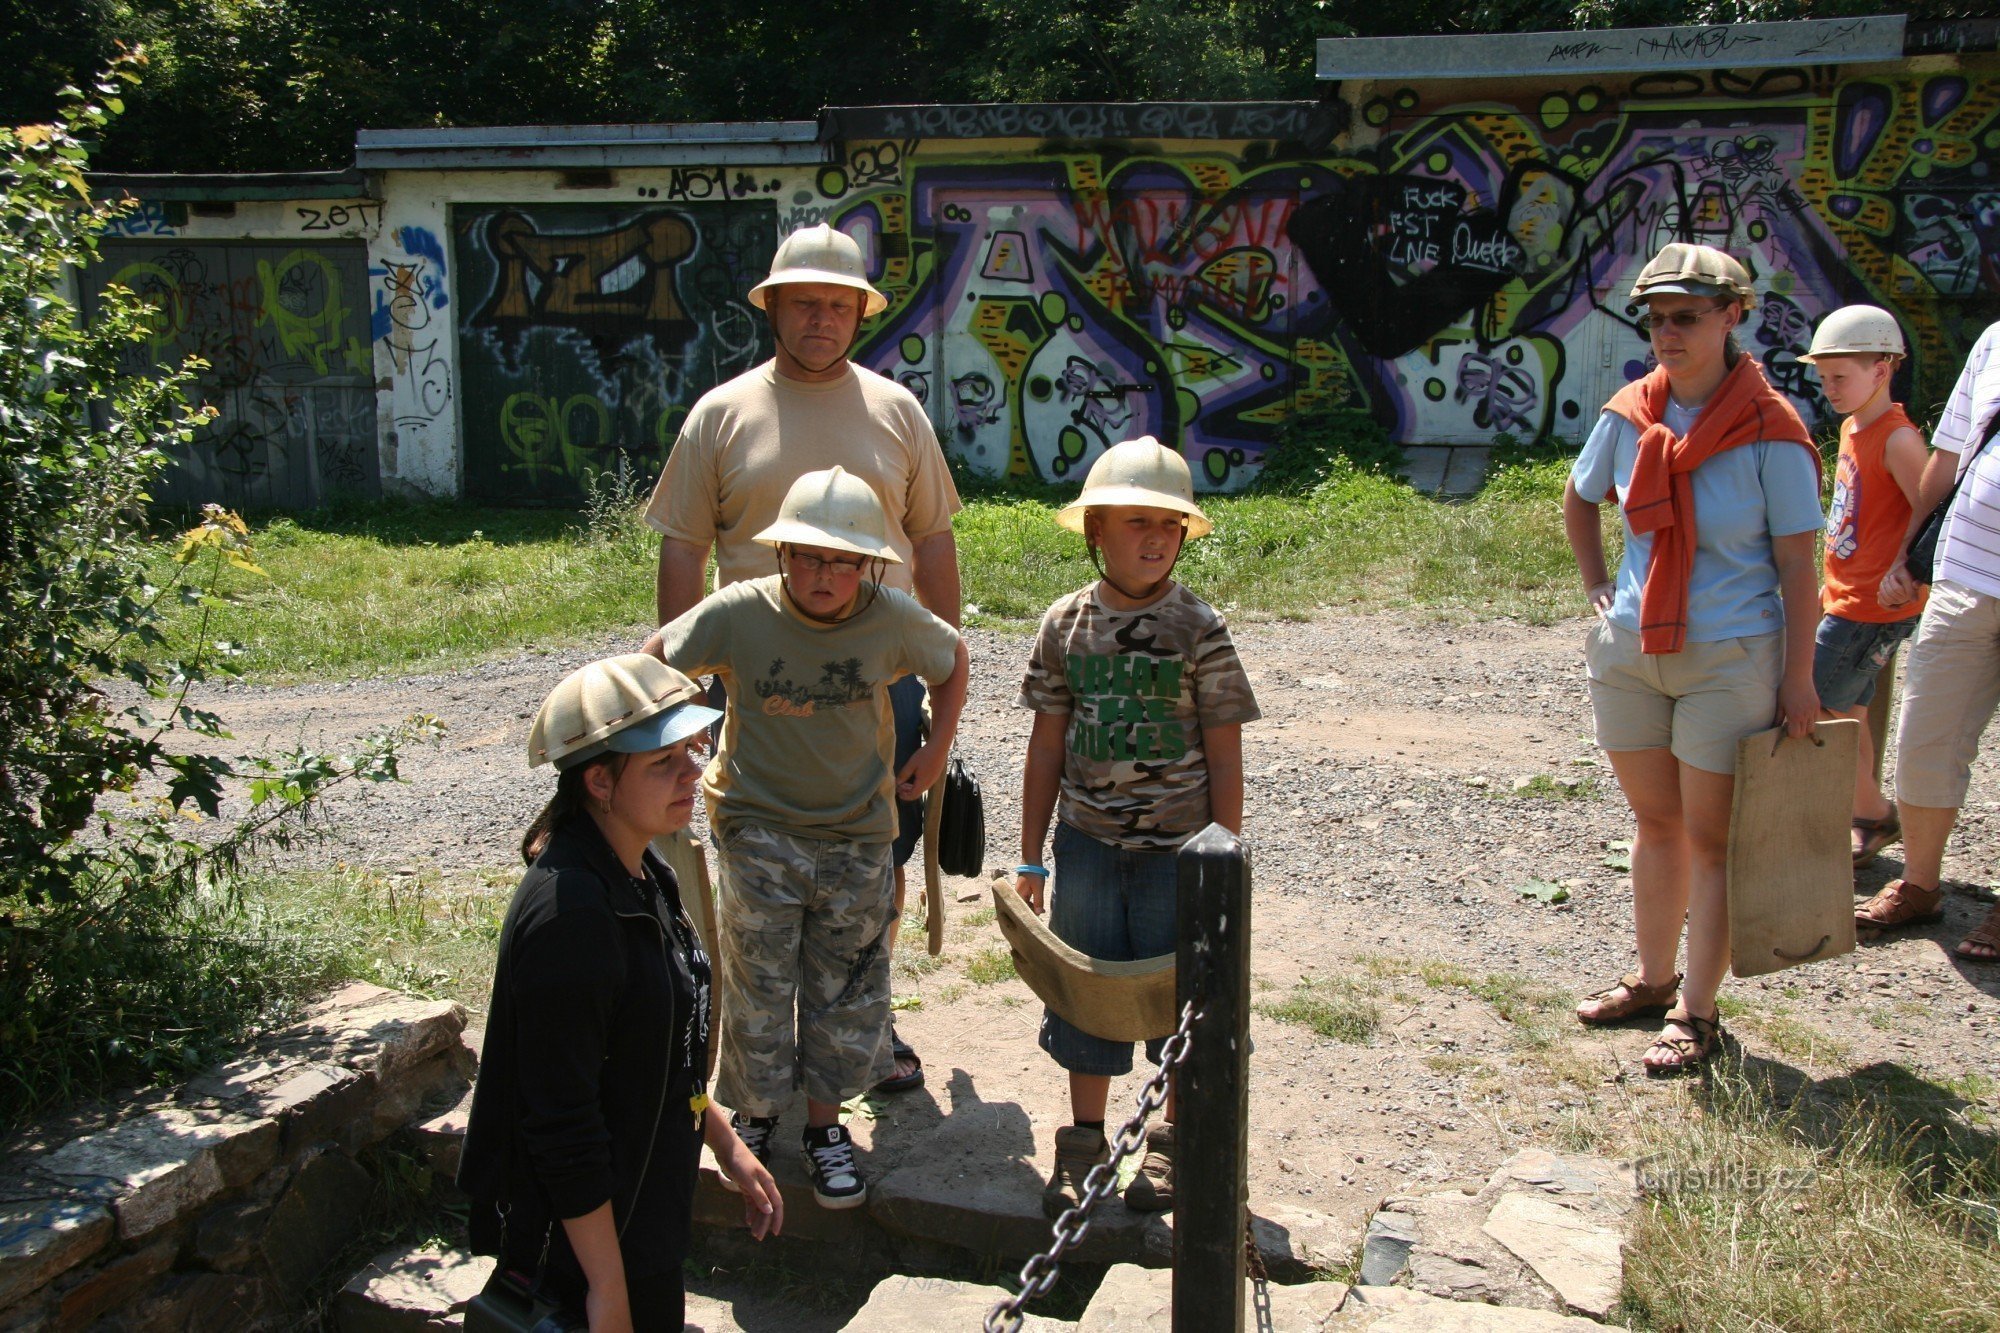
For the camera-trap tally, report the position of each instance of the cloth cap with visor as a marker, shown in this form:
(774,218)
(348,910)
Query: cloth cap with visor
(1684,269)
(1140,472)
(821,254)
(631,704)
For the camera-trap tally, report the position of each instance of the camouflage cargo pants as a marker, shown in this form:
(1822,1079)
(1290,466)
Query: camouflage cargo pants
(805,968)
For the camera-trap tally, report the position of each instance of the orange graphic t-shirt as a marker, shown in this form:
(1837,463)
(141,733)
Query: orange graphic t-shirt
(1865,524)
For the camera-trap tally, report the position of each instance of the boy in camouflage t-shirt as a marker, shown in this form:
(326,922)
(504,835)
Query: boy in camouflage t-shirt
(1139,703)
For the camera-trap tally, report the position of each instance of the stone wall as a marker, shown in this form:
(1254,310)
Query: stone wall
(221,1207)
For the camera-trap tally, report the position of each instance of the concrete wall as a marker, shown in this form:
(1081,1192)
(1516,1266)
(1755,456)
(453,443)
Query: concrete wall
(1455,261)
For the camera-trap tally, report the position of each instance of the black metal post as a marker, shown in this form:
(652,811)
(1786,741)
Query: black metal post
(1212,1091)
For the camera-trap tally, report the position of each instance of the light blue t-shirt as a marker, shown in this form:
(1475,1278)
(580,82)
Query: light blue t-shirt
(1743,498)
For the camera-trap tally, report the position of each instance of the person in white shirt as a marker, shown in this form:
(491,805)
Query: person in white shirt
(1951,685)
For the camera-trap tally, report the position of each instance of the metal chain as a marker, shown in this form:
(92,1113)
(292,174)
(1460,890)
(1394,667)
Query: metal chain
(1039,1273)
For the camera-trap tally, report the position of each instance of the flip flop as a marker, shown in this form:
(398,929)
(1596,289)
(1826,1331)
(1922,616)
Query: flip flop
(1876,834)
(909,1082)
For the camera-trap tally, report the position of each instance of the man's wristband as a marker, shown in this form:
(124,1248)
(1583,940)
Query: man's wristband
(1042,871)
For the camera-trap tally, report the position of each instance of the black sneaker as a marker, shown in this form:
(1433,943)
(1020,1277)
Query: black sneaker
(829,1156)
(756,1133)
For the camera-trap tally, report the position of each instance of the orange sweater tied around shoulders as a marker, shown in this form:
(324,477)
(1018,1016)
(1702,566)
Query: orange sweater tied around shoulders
(1744,409)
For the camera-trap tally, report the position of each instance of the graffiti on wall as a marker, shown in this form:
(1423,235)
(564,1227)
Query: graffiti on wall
(587,331)
(1463,275)
(288,369)
(411,297)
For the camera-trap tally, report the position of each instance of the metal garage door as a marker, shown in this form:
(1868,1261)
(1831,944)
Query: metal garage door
(284,329)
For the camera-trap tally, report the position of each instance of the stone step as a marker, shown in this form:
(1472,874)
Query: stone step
(1141,1300)
(933,1305)
(411,1289)
(217,1206)
(1546,1232)
(1401,1310)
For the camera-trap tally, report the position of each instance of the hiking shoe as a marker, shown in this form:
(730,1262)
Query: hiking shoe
(829,1156)
(756,1132)
(1152,1190)
(1077,1150)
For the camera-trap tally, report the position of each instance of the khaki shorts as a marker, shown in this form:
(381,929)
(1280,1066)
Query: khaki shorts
(1699,702)
(1951,684)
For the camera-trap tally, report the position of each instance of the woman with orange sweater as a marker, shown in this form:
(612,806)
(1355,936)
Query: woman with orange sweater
(1706,634)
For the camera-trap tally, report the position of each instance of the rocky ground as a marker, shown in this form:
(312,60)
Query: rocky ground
(1408,778)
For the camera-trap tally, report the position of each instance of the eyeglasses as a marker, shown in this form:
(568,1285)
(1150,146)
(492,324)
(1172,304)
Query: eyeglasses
(813,564)
(1683,320)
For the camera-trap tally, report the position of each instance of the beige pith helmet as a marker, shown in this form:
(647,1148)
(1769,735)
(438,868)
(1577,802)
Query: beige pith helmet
(821,254)
(1138,472)
(1857,330)
(832,508)
(1694,270)
(629,704)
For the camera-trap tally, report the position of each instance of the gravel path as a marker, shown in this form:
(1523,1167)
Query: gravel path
(1387,835)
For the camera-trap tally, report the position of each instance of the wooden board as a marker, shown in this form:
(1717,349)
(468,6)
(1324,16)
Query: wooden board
(1791,870)
(1116,1001)
(933,878)
(683,853)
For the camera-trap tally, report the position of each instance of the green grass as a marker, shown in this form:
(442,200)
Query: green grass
(991,965)
(1865,1202)
(1545,787)
(397,588)
(1333,1007)
(426,933)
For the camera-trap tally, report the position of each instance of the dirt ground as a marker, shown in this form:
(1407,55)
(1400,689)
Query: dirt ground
(1389,845)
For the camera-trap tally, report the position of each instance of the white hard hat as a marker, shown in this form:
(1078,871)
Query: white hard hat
(1694,270)
(1857,330)
(1138,472)
(833,508)
(629,704)
(821,254)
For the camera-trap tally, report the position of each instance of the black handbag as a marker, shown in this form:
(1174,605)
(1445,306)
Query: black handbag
(511,1303)
(962,823)
(1921,559)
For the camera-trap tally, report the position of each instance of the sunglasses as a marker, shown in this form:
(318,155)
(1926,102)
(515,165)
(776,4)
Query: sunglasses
(1681,319)
(813,564)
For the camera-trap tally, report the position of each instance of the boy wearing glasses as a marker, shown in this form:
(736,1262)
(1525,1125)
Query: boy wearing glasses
(801,800)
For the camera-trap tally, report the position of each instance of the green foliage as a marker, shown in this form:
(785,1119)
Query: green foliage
(281,85)
(1317,447)
(114,916)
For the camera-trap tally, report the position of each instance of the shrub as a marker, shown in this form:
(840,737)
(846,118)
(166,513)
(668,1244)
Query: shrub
(1316,447)
(119,952)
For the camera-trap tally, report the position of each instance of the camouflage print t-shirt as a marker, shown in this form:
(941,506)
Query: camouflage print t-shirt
(1138,687)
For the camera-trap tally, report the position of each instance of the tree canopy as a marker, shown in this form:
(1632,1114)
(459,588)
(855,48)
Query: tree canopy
(282,85)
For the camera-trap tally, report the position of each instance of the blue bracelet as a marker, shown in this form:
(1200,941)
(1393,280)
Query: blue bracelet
(1043,871)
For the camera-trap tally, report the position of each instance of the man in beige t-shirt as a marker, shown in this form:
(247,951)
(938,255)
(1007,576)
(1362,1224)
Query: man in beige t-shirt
(808,409)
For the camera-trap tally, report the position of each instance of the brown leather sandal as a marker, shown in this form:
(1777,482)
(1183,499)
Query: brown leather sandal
(1876,834)
(1985,935)
(1900,903)
(1630,998)
(1683,1055)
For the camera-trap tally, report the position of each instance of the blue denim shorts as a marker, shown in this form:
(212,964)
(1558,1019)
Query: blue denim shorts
(1849,654)
(1118,905)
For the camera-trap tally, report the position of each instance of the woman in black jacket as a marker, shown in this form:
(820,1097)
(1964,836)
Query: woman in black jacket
(591,1107)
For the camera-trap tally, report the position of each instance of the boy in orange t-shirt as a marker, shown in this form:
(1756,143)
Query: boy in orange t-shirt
(1855,352)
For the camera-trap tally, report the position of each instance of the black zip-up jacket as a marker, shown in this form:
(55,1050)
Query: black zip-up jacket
(586,1065)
